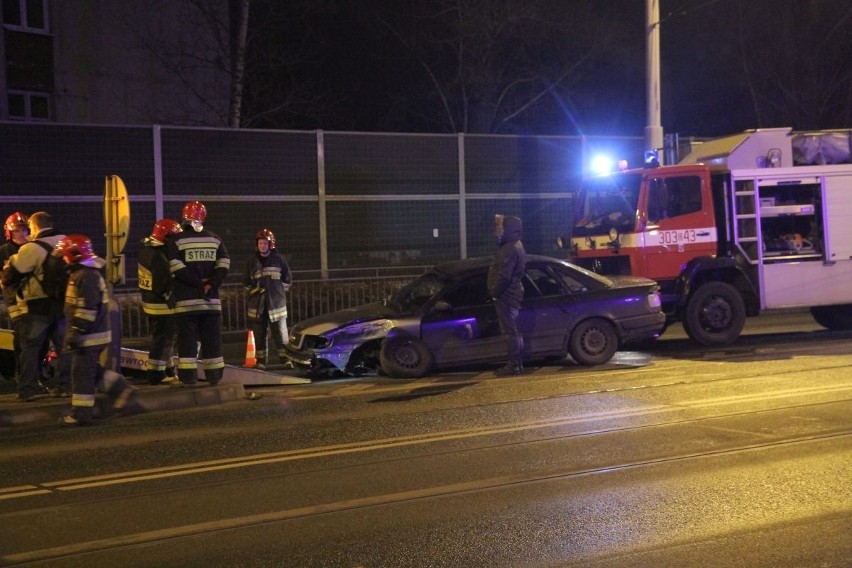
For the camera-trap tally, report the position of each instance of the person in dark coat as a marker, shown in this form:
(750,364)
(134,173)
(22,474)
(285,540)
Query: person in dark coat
(505,287)
(199,263)
(267,280)
(155,285)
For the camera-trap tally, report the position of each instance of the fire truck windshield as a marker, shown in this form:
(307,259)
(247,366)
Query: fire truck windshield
(607,202)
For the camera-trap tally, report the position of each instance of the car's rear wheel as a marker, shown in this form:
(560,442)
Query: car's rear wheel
(838,318)
(593,342)
(405,357)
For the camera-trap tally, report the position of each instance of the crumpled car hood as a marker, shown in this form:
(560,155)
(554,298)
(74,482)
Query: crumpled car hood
(366,312)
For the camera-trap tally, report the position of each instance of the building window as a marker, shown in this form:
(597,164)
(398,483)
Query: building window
(28,106)
(29,15)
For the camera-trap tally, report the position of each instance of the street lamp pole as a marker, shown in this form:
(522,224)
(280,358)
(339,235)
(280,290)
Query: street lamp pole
(654,128)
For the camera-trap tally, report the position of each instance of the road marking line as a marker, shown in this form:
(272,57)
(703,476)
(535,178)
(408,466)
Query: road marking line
(410,440)
(387,499)
(21,491)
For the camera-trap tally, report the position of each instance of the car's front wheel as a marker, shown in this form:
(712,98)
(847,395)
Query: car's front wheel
(405,357)
(593,342)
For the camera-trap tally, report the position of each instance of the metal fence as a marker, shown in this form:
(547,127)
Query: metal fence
(362,209)
(335,200)
(306,298)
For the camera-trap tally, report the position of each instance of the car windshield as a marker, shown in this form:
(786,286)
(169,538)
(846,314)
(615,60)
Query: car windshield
(413,296)
(607,202)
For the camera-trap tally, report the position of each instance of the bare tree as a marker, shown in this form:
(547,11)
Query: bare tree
(237,63)
(798,63)
(183,53)
(238,60)
(731,65)
(286,61)
(490,62)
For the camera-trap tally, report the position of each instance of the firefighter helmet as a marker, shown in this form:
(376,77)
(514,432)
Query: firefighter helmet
(267,235)
(194,211)
(75,249)
(14,221)
(163,228)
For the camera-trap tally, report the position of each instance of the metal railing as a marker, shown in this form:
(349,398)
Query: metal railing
(306,299)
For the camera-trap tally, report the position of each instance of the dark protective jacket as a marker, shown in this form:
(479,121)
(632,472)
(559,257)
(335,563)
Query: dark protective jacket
(7,249)
(197,259)
(267,279)
(507,269)
(87,306)
(155,278)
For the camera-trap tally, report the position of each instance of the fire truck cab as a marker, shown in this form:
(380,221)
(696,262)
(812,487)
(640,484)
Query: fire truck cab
(756,221)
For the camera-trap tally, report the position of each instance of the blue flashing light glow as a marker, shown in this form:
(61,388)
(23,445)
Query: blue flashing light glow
(652,160)
(601,164)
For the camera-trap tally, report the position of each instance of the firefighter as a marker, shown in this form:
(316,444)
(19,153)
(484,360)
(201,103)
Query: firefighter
(267,278)
(155,284)
(88,333)
(17,233)
(199,263)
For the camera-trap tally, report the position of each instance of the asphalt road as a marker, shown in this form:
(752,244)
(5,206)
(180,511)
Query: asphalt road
(675,456)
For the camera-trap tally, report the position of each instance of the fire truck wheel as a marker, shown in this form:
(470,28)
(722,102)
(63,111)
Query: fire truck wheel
(715,314)
(593,342)
(836,318)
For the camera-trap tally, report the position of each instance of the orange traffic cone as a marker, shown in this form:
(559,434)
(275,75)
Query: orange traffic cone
(251,357)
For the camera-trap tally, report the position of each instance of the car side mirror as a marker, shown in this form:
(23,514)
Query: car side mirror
(442,306)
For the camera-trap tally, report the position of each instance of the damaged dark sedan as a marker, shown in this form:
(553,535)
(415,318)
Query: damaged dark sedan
(444,319)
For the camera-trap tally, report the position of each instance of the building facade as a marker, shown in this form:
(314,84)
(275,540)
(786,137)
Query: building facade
(115,62)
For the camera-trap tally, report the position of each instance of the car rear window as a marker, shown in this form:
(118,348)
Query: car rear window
(579,281)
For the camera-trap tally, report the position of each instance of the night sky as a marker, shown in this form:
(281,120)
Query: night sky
(547,66)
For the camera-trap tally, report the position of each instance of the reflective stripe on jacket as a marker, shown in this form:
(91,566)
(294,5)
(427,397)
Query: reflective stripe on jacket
(154,279)
(87,304)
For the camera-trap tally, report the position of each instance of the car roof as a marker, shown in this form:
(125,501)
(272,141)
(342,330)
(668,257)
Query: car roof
(456,267)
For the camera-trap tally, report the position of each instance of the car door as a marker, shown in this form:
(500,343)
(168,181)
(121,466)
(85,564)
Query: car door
(545,311)
(462,326)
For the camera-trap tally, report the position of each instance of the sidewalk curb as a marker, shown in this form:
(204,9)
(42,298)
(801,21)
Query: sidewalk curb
(149,399)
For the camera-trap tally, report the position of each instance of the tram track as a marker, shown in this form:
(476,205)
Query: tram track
(80,550)
(581,425)
(588,437)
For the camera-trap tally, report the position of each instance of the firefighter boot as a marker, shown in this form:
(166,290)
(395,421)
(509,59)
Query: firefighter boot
(213,376)
(77,416)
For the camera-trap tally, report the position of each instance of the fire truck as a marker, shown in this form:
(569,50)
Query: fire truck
(760,220)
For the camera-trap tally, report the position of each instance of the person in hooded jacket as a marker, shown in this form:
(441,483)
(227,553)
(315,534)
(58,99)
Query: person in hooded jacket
(17,234)
(41,318)
(267,279)
(199,263)
(507,290)
(88,333)
(155,285)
